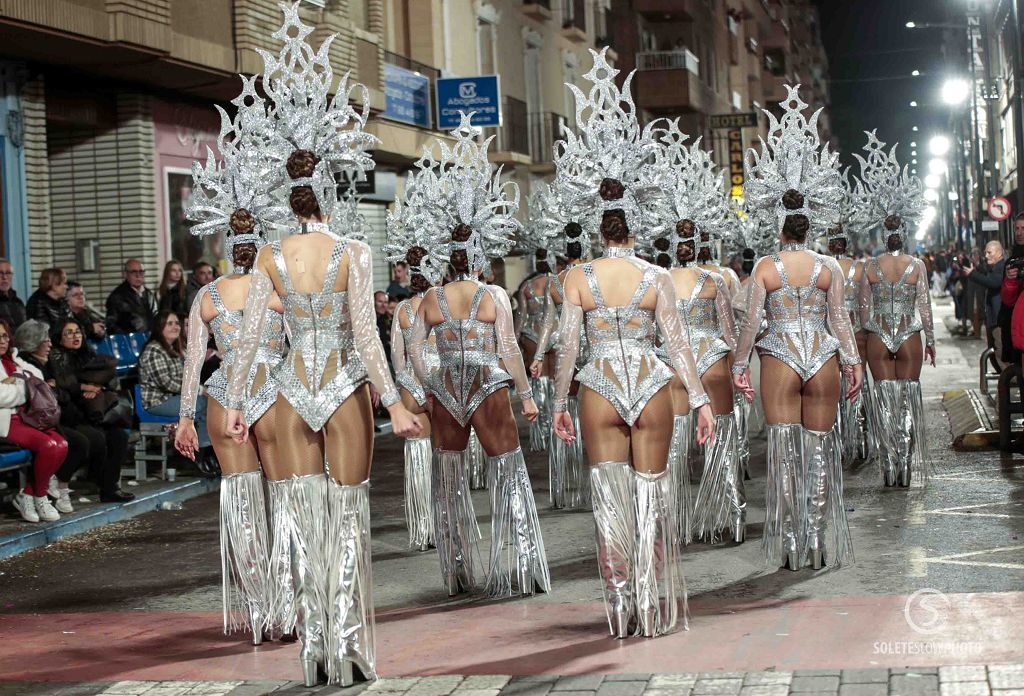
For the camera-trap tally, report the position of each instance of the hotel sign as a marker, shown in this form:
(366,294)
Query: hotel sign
(730,121)
(736,178)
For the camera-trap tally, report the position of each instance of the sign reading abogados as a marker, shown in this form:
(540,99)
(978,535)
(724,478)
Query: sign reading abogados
(730,121)
(481,95)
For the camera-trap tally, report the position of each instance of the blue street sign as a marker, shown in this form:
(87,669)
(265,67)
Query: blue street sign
(408,96)
(480,94)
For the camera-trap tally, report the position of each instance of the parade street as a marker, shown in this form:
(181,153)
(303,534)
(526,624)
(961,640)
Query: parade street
(937,582)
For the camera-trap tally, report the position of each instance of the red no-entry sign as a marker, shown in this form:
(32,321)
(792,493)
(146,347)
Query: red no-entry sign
(999,208)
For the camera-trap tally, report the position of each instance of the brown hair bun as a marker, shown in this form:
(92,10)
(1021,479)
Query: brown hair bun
(894,242)
(793,200)
(462,232)
(301,163)
(684,252)
(796,227)
(613,226)
(415,255)
(661,244)
(893,222)
(685,227)
(573,230)
(244,255)
(611,189)
(242,221)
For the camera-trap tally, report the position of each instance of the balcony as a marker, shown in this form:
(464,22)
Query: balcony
(537,9)
(669,10)
(514,134)
(574,20)
(545,129)
(683,59)
(671,87)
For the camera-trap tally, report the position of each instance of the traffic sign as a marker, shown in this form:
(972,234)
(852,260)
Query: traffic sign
(999,208)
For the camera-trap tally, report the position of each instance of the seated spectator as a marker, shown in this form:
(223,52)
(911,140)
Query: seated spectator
(172,292)
(94,411)
(160,370)
(48,448)
(11,307)
(202,274)
(131,306)
(78,310)
(47,303)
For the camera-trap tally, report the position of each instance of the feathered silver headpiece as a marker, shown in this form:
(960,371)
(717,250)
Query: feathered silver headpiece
(751,233)
(408,227)
(845,229)
(610,147)
(299,83)
(462,187)
(233,195)
(793,157)
(346,220)
(885,189)
(563,223)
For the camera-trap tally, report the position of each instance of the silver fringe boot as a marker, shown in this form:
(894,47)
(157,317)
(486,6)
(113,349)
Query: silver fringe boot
(419,500)
(281,591)
(826,509)
(244,554)
(615,523)
(455,529)
(890,414)
(679,467)
(659,589)
(350,621)
(869,420)
(909,456)
(741,409)
(852,426)
(721,499)
(540,428)
(782,542)
(519,565)
(476,463)
(307,503)
(569,481)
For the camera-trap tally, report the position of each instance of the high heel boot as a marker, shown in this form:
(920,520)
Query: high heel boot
(815,444)
(281,591)
(519,565)
(721,503)
(782,543)
(307,502)
(659,590)
(419,507)
(455,529)
(741,407)
(919,451)
(611,486)
(350,621)
(890,415)
(244,554)
(679,468)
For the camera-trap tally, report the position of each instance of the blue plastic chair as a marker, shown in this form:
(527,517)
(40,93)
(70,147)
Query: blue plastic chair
(19,460)
(150,426)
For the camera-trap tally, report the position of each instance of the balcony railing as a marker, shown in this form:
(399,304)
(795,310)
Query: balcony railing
(668,60)
(574,15)
(515,131)
(545,129)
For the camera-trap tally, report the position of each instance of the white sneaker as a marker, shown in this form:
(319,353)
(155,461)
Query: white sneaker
(45,510)
(63,503)
(23,503)
(52,489)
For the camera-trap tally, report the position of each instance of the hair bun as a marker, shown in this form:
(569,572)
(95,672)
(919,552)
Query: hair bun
(685,227)
(301,164)
(415,255)
(573,230)
(664,260)
(574,250)
(611,189)
(661,244)
(462,232)
(684,252)
(893,222)
(613,226)
(242,221)
(793,200)
(540,254)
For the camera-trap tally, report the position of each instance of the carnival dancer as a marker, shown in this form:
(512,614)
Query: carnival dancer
(625,403)
(895,308)
(470,218)
(793,185)
(695,206)
(323,415)
(234,197)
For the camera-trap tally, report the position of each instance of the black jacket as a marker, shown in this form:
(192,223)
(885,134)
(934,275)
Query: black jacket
(86,318)
(129,311)
(68,369)
(175,302)
(44,308)
(12,308)
(991,279)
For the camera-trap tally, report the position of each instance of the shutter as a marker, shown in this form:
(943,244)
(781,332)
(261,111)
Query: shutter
(375,215)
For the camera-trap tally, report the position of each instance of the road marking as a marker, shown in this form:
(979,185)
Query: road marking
(960,474)
(956,558)
(959,510)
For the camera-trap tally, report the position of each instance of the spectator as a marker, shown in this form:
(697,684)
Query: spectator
(202,274)
(78,310)
(94,411)
(172,293)
(399,287)
(11,307)
(1013,282)
(990,279)
(131,305)
(940,270)
(47,303)
(48,448)
(160,370)
(380,306)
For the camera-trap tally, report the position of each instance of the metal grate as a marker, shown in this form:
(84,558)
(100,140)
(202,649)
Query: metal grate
(515,131)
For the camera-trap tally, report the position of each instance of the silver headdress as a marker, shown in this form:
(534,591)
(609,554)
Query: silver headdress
(693,190)
(462,187)
(562,224)
(346,220)
(233,195)
(408,227)
(885,189)
(749,231)
(793,157)
(299,83)
(610,146)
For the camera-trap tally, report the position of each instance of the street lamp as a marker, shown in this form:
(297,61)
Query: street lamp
(955,91)
(914,129)
(916,73)
(911,25)
(936,166)
(932,181)
(931,195)
(939,145)
(913,103)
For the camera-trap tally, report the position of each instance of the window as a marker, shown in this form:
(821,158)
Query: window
(486,37)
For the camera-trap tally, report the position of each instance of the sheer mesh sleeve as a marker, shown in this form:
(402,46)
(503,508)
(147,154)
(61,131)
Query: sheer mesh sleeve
(364,327)
(864,297)
(924,305)
(675,342)
(520,314)
(732,281)
(753,315)
(570,329)
(418,343)
(198,336)
(838,318)
(548,328)
(723,304)
(508,347)
(398,340)
(261,288)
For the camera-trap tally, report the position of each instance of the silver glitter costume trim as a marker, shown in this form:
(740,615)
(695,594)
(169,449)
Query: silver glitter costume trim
(872,428)
(885,189)
(419,499)
(455,529)
(405,376)
(851,297)
(708,321)
(281,605)
(888,309)
(307,505)
(476,463)
(721,501)
(659,588)
(679,465)
(519,565)
(540,428)
(350,621)
(569,479)
(244,548)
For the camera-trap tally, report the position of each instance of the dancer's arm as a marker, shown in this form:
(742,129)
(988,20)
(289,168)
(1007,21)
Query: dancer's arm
(723,303)
(924,307)
(398,340)
(570,329)
(195,354)
(261,288)
(838,318)
(364,326)
(753,315)
(508,348)
(675,342)
(548,327)
(418,341)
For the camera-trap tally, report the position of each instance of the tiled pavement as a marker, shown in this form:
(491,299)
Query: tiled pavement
(961,680)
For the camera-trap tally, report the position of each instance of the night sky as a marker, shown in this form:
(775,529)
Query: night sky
(871,57)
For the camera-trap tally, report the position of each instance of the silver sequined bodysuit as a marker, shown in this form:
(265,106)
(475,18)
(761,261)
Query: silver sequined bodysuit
(405,376)
(623,365)
(261,389)
(532,306)
(708,321)
(887,309)
(475,358)
(852,299)
(806,325)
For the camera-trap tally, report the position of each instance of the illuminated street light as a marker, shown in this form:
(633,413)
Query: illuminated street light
(916,73)
(952,195)
(937,166)
(913,143)
(955,91)
(913,103)
(913,153)
(914,129)
(939,145)
(932,181)
(931,195)
(913,161)
(911,25)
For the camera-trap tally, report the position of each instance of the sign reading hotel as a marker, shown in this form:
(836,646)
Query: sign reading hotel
(732,121)
(407,96)
(479,94)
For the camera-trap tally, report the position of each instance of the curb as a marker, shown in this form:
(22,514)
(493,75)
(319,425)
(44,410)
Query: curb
(107,513)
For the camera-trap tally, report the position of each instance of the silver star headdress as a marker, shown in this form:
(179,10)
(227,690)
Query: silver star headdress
(299,82)
(610,145)
(885,189)
(462,187)
(846,227)
(407,228)
(751,233)
(793,157)
(233,195)
(346,220)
